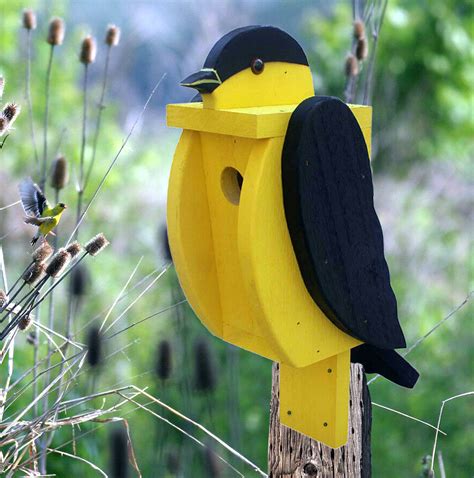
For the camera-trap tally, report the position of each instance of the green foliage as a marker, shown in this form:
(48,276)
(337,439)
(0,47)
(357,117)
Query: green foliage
(423,79)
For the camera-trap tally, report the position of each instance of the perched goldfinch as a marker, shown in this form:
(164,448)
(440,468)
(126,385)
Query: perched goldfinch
(38,212)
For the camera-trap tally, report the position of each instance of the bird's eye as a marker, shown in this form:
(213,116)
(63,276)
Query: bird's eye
(257,66)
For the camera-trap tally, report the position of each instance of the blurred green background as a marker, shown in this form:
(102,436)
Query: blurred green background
(423,174)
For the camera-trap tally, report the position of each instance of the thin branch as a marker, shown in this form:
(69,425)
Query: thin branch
(29,101)
(76,457)
(112,164)
(168,422)
(101,108)
(80,191)
(371,68)
(120,295)
(203,429)
(162,311)
(443,403)
(46,118)
(11,347)
(142,293)
(408,416)
(10,205)
(424,337)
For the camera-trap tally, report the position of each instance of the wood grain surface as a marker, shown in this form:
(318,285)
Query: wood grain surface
(293,455)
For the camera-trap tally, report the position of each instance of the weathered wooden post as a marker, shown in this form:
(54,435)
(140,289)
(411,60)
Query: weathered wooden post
(276,241)
(293,455)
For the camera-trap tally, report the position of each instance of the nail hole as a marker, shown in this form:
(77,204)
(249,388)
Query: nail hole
(325,424)
(329,370)
(289,412)
(231,184)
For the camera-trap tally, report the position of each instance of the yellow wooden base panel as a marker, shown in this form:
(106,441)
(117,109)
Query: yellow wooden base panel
(314,400)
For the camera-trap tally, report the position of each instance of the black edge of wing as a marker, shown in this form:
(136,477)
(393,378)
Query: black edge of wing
(335,232)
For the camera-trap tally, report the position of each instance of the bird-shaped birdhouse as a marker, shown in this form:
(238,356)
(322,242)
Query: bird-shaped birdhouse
(273,230)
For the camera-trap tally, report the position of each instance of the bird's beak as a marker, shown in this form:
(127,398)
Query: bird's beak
(205,80)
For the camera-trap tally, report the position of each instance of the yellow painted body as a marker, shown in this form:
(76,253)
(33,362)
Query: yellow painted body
(234,256)
(55,214)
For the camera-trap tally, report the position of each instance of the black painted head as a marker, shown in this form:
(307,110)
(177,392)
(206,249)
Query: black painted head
(247,47)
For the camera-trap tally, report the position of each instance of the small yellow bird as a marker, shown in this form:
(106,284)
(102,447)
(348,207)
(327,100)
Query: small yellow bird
(38,212)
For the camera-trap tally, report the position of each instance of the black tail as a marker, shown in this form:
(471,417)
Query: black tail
(34,240)
(387,363)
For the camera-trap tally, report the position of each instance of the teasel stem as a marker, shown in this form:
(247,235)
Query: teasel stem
(41,255)
(29,101)
(80,192)
(10,300)
(36,345)
(26,309)
(185,378)
(367,98)
(233,402)
(163,369)
(93,247)
(12,288)
(55,269)
(101,108)
(46,117)
(50,319)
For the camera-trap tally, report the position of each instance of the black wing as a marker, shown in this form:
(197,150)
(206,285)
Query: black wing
(32,199)
(336,235)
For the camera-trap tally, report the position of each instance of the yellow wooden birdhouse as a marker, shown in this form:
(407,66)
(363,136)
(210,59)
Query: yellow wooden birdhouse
(272,228)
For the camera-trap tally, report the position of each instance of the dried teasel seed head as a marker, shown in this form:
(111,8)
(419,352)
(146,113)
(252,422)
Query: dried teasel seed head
(80,281)
(205,379)
(213,465)
(112,37)
(164,363)
(172,462)
(352,65)
(32,339)
(59,173)
(3,298)
(42,253)
(362,49)
(56,32)
(74,249)
(3,124)
(94,346)
(29,19)
(10,112)
(96,244)
(58,263)
(359,29)
(25,322)
(118,453)
(33,273)
(88,50)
